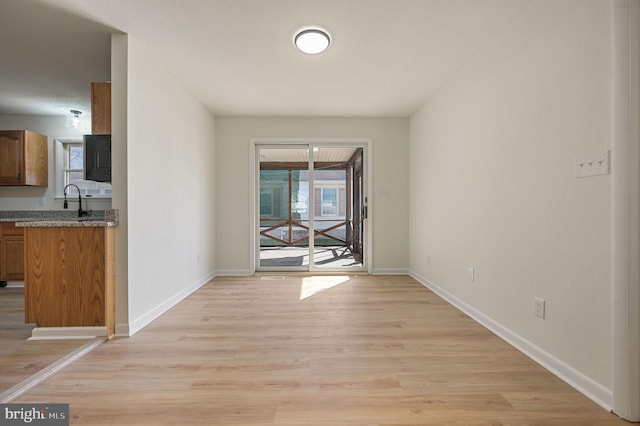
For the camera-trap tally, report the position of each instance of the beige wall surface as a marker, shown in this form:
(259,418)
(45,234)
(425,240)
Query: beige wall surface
(492,187)
(170,207)
(389,145)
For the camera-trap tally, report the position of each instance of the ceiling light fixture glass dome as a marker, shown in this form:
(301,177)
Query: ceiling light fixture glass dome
(312,41)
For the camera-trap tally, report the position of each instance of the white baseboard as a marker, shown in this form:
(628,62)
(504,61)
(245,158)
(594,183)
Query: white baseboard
(233,273)
(583,384)
(246,272)
(389,271)
(143,320)
(57,333)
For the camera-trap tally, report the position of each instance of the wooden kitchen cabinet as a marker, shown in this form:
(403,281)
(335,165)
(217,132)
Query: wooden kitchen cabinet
(70,277)
(11,252)
(101,108)
(24,158)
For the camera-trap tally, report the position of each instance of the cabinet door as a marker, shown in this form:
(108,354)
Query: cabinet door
(11,157)
(12,257)
(11,252)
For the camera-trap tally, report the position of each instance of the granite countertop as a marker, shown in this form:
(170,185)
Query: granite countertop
(60,218)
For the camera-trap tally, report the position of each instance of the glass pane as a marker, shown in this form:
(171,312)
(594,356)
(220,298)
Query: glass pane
(76,157)
(333,206)
(284,225)
(73,177)
(329,201)
(266,201)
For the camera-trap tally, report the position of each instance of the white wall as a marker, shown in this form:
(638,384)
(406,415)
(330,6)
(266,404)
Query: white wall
(35,197)
(390,183)
(170,140)
(119,134)
(626,209)
(492,187)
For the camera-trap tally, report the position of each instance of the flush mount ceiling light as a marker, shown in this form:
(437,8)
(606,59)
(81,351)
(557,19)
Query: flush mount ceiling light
(312,41)
(75,118)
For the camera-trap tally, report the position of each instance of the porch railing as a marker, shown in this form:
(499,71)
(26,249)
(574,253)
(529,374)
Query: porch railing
(290,224)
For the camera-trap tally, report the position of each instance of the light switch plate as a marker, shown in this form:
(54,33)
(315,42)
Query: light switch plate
(592,165)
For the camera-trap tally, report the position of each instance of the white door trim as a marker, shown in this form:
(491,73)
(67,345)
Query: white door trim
(366,143)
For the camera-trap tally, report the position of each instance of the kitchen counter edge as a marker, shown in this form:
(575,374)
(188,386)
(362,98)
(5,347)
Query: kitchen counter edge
(65,224)
(52,219)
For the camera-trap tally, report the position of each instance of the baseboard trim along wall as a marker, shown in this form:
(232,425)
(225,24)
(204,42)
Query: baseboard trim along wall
(389,271)
(53,333)
(143,320)
(583,384)
(233,273)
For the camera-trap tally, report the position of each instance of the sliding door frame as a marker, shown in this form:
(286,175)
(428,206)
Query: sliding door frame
(254,235)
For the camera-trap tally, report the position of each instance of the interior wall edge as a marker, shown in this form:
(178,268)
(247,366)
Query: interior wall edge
(626,209)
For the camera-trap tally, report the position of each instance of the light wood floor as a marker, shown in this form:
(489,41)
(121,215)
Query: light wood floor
(371,351)
(20,358)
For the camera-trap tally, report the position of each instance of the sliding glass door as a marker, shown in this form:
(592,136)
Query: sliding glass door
(310,207)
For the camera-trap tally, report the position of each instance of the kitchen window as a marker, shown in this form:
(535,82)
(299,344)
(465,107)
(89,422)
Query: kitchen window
(72,167)
(70,170)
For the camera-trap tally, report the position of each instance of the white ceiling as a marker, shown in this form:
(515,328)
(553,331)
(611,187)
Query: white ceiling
(386,58)
(48,58)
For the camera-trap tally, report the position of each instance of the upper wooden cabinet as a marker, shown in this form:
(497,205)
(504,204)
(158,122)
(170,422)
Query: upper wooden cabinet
(101,108)
(24,158)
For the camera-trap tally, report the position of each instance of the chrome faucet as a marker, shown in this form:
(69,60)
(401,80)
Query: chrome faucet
(66,204)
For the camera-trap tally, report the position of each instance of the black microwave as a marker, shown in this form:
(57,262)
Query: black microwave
(97,158)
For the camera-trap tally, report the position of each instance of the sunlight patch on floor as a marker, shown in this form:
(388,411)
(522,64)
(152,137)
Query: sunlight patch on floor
(317,284)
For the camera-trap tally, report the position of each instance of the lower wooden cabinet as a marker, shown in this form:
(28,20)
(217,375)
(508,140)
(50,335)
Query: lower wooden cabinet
(11,252)
(70,277)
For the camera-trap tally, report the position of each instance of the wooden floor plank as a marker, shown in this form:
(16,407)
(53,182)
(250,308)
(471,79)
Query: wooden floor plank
(372,351)
(21,358)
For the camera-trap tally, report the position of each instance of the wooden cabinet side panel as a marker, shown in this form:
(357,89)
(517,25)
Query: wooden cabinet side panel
(36,159)
(64,280)
(110,281)
(101,108)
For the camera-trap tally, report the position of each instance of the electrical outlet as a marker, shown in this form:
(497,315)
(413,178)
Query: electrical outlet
(539,307)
